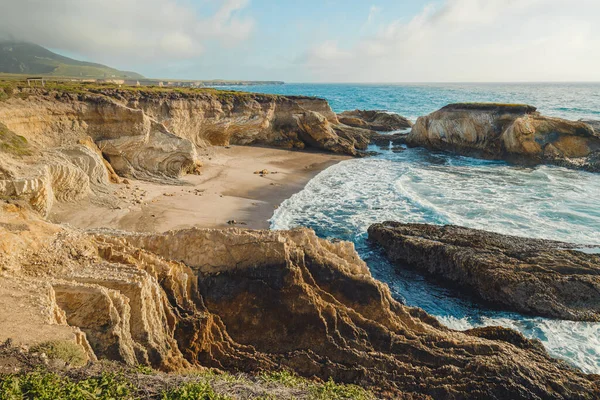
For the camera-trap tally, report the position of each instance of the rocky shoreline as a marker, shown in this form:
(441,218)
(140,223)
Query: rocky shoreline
(512,132)
(531,276)
(255,300)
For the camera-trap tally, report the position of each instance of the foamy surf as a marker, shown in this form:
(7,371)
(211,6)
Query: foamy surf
(417,186)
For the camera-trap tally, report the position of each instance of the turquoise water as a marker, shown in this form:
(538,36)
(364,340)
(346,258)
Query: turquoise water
(567,100)
(418,186)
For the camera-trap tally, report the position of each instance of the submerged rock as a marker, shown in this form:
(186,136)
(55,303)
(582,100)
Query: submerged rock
(375,120)
(532,276)
(251,301)
(509,132)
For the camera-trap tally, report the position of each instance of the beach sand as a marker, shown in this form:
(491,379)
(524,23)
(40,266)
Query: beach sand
(228,189)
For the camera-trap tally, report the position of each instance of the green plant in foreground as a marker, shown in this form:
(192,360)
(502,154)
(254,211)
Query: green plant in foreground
(40,385)
(284,377)
(334,391)
(193,391)
(143,369)
(64,350)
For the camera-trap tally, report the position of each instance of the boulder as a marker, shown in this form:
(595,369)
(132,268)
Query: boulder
(375,120)
(511,132)
(531,276)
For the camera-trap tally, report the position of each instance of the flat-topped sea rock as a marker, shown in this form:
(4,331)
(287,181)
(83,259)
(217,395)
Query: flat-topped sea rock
(532,276)
(514,132)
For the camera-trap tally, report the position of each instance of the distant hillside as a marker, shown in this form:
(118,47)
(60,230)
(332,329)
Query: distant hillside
(31,59)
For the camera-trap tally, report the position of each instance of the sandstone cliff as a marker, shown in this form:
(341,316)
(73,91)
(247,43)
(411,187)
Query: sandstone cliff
(533,276)
(251,300)
(508,131)
(68,143)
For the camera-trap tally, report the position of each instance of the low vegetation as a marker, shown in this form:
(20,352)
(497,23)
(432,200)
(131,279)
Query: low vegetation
(12,88)
(144,383)
(12,143)
(63,350)
(41,385)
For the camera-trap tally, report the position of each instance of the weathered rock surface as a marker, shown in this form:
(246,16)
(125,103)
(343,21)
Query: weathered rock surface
(251,300)
(375,120)
(134,144)
(66,145)
(508,131)
(223,118)
(533,276)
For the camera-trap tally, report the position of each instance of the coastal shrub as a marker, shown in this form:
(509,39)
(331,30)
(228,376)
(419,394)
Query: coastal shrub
(42,385)
(143,369)
(64,350)
(285,378)
(334,391)
(193,391)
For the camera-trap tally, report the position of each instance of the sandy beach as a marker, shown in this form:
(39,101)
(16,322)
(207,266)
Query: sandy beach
(228,189)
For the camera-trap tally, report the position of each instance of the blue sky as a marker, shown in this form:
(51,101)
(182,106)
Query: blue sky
(322,41)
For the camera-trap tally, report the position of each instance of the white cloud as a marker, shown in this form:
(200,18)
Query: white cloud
(373,12)
(474,40)
(114,29)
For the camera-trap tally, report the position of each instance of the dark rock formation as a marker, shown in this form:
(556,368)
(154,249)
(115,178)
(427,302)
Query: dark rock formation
(507,131)
(375,120)
(385,139)
(595,124)
(533,276)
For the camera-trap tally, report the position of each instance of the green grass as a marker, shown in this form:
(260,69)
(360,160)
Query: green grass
(193,391)
(329,390)
(335,391)
(40,385)
(12,143)
(44,385)
(8,86)
(284,378)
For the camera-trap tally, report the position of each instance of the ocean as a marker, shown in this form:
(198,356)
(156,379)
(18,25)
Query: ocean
(419,186)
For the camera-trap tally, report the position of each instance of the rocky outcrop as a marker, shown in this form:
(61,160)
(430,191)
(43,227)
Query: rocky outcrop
(66,174)
(261,300)
(532,276)
(508,131)
(375,120)
(207,117)
(134,144)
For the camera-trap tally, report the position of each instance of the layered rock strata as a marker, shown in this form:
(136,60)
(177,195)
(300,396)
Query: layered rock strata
(222,118)
(532,276)
(259,300)
(69,144)
(510,132)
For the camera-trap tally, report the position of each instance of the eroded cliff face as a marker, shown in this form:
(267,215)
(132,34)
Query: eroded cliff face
(66,145)
(251,300)
(512,132)
(245,119)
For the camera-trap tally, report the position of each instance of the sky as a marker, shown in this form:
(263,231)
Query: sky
(321,40)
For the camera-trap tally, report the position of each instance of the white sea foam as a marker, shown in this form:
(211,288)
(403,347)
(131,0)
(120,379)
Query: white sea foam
(417,186)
